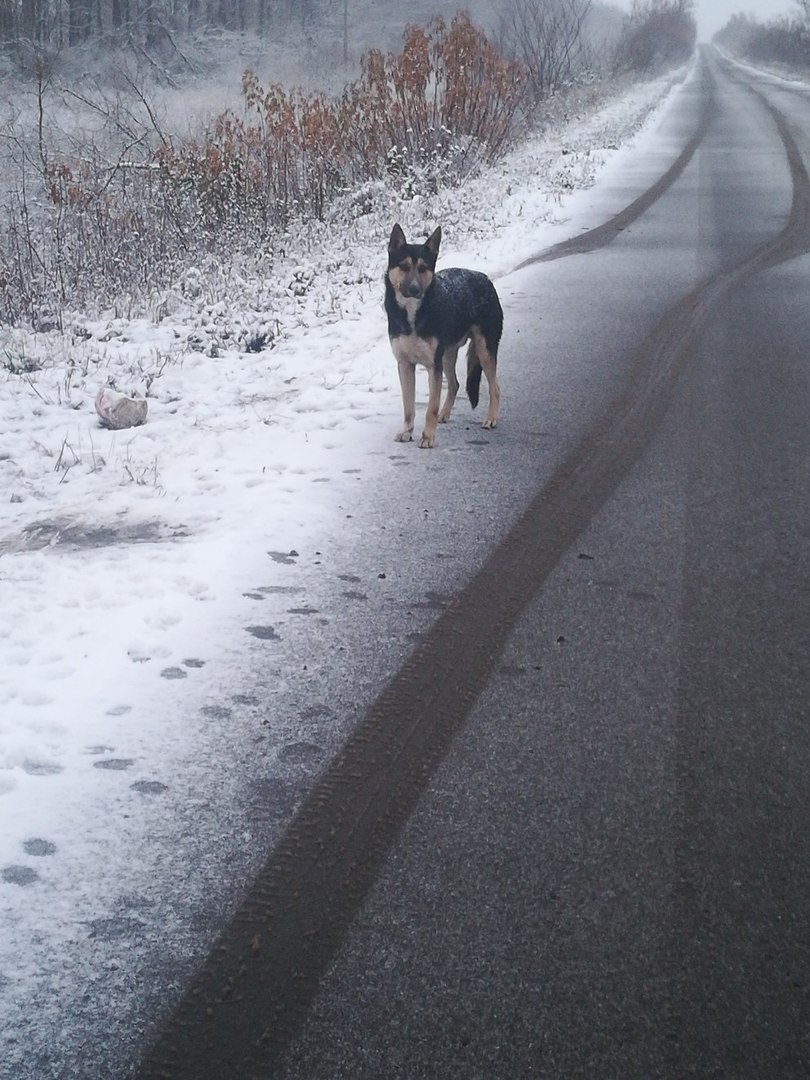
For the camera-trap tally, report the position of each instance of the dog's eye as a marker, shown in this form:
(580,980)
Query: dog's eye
(422,268)
(405,267)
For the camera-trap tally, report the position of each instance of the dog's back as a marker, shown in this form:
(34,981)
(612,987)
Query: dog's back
(457,301)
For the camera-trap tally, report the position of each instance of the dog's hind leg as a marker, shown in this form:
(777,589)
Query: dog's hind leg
(428,439)
(407,381)
(449,367)
(489,362)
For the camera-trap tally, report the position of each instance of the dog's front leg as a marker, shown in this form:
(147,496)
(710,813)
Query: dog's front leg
(407,381)
(428,439)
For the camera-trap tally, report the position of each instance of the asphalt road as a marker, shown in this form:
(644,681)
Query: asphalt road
(570,837)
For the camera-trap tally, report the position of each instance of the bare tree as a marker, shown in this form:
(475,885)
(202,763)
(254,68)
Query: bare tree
(657,33)
(546,36)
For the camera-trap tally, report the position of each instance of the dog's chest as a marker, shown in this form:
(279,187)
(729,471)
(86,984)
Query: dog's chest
(413,349)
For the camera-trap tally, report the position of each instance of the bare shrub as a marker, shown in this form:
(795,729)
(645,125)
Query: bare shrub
(657,34)
(547,36)
(449,99)
(126,213)
(428,115)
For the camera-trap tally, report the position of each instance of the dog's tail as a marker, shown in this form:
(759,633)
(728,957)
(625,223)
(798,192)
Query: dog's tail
(473,375)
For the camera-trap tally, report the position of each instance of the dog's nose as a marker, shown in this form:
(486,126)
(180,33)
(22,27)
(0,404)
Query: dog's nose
(414,289)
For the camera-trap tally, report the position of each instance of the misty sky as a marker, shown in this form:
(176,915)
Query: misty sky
(714,14)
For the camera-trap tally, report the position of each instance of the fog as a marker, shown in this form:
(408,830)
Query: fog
(712,15)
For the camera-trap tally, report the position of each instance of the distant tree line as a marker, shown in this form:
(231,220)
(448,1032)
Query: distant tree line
(783,40)
(57,23)
(548,35)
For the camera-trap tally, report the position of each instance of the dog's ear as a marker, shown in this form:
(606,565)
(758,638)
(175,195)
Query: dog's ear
(397,239)
(433,241)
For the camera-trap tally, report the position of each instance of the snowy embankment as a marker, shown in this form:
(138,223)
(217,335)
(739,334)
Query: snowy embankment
(124,554)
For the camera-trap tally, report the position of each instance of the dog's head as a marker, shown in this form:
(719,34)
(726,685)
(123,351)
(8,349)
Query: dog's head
(411,266)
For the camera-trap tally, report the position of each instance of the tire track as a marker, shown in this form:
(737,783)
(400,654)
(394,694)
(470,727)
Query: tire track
(604,234)
(246,1003)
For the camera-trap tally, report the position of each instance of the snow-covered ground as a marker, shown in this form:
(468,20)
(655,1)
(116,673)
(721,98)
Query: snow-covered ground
(133,563)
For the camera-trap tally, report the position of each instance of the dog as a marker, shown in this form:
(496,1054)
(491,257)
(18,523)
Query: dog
(430,316)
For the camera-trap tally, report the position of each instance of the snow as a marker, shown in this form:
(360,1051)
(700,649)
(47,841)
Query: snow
(132,562)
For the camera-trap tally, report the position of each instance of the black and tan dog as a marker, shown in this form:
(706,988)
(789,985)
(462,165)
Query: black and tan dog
(430,316)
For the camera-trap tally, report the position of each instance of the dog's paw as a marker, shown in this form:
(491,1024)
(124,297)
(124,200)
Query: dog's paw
(488,424)
(404,436)
(427,442)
